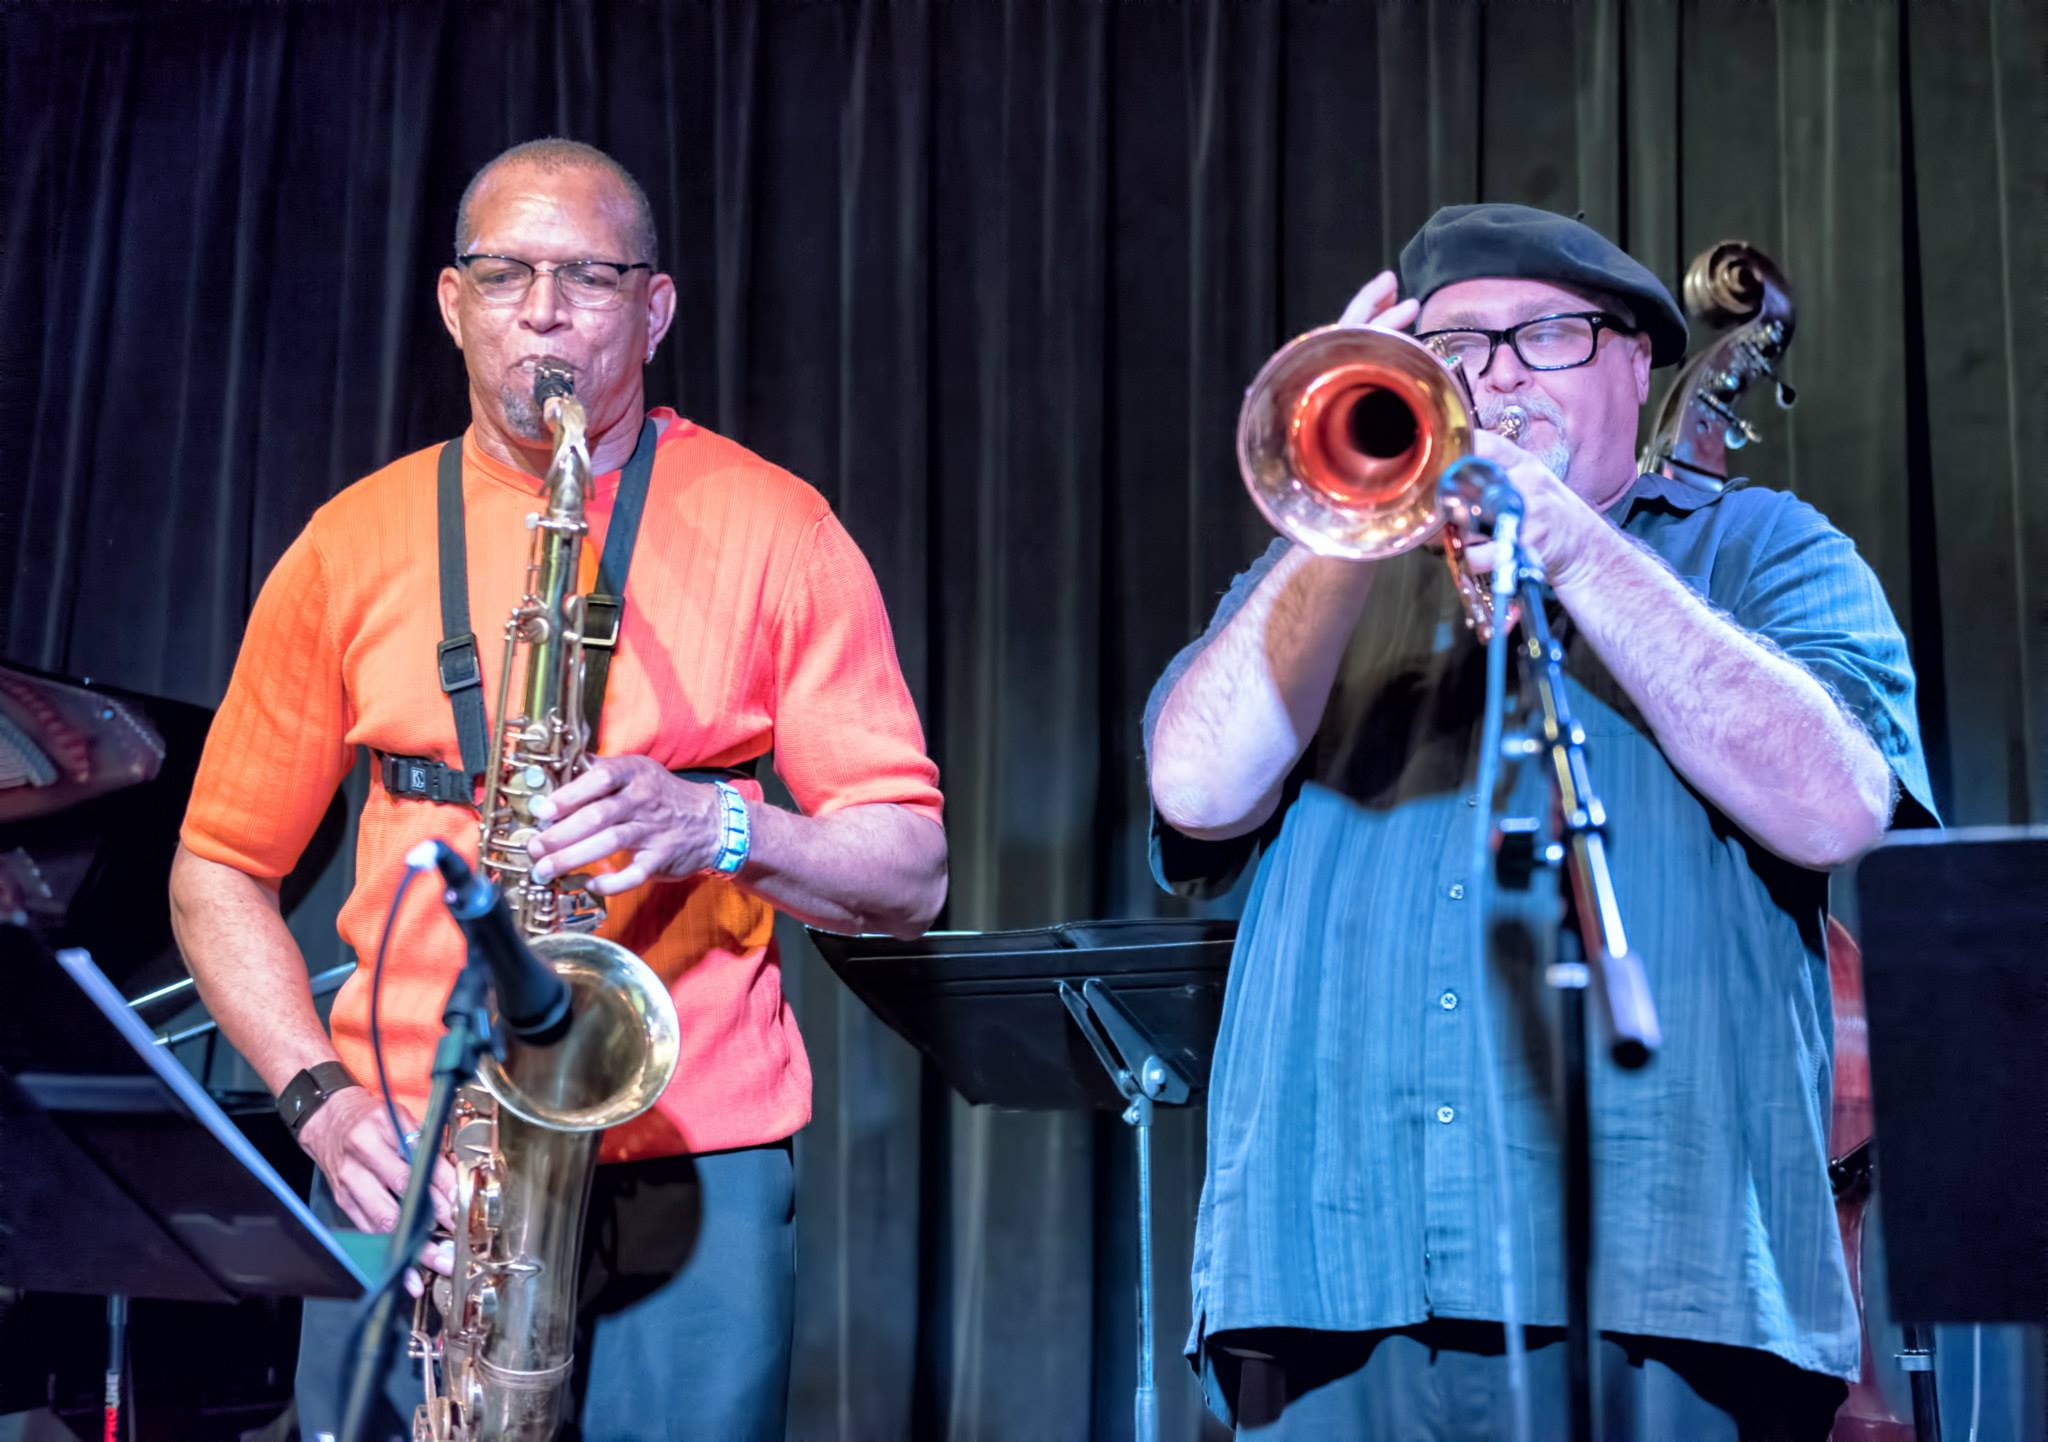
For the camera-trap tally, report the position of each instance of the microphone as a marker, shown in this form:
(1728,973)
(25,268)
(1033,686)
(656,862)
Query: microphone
(1481,491)
(533,1002)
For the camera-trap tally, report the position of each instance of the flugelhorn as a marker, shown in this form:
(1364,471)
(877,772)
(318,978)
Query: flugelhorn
(1343,438)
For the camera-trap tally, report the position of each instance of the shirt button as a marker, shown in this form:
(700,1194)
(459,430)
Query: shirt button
(1448,1001)
(1446,1115)
(1456,891)
(1471,800)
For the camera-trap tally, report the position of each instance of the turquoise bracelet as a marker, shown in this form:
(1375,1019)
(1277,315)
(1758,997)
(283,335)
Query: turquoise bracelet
(735,829)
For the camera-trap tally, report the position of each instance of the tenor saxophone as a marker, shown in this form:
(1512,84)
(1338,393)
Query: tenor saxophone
(495,1339)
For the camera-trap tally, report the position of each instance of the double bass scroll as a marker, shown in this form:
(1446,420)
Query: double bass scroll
(1735,289)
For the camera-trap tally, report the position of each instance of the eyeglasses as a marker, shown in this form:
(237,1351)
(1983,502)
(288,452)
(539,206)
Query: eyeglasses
(590,284)
(1547,343)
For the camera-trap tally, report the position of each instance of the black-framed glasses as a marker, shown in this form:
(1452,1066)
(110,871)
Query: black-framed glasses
(1547,343)
(590,284)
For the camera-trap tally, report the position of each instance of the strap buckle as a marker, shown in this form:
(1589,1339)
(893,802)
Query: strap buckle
(417,778)
(458,663)
(601,620)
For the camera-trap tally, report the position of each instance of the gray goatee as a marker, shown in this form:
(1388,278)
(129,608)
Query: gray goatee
(521,414)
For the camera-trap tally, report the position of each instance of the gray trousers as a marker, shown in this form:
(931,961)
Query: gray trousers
(1447,1381)
(685,1318)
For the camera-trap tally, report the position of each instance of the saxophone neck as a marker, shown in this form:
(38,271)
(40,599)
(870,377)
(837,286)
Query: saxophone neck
(568,477)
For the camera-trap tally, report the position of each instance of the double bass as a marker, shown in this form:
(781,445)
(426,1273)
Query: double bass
(1868,1414)
(1736,290)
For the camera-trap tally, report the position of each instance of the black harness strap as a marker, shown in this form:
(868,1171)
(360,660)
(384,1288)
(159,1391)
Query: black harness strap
(604,608)
(748,770)
(415,778)
(462,675)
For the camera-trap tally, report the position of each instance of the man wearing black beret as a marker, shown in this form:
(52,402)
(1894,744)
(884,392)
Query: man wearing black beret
(1749,707)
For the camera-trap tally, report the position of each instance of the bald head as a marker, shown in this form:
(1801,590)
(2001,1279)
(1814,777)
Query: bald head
(552,155)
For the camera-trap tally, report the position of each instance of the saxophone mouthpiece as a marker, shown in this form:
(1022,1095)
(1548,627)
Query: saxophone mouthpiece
(551,379)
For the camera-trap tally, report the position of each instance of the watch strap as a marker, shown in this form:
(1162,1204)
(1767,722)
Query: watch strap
(307,1092)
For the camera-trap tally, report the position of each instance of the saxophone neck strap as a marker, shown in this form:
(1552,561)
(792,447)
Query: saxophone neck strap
(461,673)
(604,608)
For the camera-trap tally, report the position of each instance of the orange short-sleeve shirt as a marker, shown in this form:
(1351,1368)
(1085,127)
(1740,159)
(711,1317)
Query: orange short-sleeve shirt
(752,624)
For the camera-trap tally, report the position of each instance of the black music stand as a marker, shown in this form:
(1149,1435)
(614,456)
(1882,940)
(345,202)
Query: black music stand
(1955,937)
(123,1177)
(1111,1014)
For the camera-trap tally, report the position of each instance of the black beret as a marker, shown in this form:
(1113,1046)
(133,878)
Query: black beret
(1464,242)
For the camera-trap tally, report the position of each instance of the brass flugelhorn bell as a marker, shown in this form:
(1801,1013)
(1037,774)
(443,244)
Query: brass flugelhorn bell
(1342,439)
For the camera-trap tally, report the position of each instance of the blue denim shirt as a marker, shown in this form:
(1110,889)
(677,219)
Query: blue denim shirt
(1349,1185)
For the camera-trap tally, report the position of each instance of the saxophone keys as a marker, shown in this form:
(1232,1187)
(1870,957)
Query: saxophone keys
(433,1420)
(487,1207)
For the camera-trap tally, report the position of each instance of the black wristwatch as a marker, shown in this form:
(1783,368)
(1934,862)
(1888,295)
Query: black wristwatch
(307,1092)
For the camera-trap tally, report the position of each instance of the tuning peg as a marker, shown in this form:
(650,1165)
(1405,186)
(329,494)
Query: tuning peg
(1740,434)
(1786,396)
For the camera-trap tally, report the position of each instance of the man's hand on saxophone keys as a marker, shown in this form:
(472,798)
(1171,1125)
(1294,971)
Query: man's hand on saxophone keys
(668,827)
(350,1139)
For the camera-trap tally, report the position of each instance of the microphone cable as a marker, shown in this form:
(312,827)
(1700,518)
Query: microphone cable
(376,993)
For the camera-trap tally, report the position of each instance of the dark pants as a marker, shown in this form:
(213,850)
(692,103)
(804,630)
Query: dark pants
(684,1325)
(1447,1381)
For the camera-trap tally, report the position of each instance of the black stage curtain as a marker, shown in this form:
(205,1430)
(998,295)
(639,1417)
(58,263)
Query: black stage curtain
(993,277)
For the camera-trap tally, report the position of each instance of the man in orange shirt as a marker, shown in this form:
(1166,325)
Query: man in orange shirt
(751,623)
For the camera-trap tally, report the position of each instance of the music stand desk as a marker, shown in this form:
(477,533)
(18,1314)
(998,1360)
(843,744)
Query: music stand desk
(985,1006)
(121,1176)
(1095,1014)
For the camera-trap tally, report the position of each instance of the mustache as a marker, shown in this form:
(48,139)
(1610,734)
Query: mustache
(1534,408)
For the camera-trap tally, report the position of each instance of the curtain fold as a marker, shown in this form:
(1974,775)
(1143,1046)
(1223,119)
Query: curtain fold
(993,277)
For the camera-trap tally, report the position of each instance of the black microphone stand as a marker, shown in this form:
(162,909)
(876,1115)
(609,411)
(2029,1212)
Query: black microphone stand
(1589,946)
(469,1034)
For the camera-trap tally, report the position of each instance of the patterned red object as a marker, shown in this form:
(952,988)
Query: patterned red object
(1865,1416)
(64,743)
